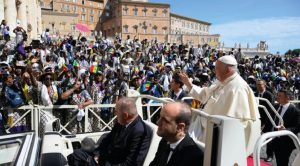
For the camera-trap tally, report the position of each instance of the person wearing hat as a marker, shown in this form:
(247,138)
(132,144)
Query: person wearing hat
(19,70)
(67,76)
(49,62)
(50,92)
(135,83)
(97,90)
(229,96)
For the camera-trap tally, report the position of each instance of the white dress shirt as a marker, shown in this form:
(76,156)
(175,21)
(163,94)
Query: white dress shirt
(284,109)
(173,146)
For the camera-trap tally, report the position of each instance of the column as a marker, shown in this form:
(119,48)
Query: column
(1,10)
(21,14)
(32,18)
(39,19)
(10,15)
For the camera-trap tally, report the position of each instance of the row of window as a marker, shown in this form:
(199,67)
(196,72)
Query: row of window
(190,25)
(183,32)
(70,8)
(83,18)
(144,29)
(83,2)
(145,12)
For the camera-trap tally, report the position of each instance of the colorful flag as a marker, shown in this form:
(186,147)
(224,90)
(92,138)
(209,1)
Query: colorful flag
(76,64)
(64,67)
(147,85)
(93,69)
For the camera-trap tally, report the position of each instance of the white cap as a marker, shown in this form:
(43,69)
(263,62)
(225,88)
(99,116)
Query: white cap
(228,59)
(168,64)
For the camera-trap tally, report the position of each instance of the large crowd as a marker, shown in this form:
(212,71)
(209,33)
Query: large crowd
(71,70)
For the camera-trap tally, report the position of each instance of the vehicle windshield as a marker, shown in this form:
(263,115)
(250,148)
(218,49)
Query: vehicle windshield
(9,151)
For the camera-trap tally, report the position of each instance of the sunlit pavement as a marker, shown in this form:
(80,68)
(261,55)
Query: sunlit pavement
(263,155)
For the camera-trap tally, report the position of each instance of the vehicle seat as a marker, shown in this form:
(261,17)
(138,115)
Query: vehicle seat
(153,145)
(55,146)
(296,161)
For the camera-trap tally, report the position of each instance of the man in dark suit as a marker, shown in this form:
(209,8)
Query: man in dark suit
(176,148)
(126,145)
(283,146)
(265,122)
(128,142)
(177,92)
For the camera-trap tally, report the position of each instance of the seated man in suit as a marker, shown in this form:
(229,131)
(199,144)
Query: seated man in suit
(126,145)
(128,142)
(176,148)
(283,146)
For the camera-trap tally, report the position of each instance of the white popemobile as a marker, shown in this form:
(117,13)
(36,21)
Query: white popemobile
(224,145)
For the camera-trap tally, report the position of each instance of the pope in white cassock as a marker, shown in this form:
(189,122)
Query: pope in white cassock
(230,96)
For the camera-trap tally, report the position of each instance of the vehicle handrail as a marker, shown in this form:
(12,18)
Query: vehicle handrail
(266,136)
(201,113)
(163,100)
(271,119)
(150,102)
(187,98)
(272,108)
(295,101)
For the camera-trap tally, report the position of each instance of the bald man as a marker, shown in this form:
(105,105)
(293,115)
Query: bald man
(126,145)
(176,148)
(128,142)
(229,96)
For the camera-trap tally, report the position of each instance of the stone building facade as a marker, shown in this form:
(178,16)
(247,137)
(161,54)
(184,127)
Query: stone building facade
(25,13)
(135,18)
(192,31)
(61,16)
(155,22)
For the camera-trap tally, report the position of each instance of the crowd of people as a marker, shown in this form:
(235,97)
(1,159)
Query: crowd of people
(78,71)
(71,70)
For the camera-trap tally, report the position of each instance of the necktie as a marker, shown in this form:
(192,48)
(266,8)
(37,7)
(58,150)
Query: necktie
(279,112)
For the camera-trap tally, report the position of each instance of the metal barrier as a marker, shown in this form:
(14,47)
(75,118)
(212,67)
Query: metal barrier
(40,115)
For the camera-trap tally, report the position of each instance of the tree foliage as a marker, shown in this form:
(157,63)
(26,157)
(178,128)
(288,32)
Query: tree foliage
(295,52)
